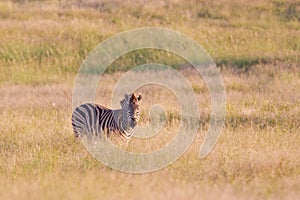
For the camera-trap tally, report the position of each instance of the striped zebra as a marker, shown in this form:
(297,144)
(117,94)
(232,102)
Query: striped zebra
(95,120)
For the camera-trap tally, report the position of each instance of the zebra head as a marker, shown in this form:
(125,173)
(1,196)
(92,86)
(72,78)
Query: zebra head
(131,109)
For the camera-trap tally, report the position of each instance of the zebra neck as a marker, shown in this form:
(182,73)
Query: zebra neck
(122,125)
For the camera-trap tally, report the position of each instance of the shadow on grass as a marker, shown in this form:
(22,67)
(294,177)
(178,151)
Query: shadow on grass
(245,63)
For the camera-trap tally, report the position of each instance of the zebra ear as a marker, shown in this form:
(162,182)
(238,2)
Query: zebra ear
(139,97)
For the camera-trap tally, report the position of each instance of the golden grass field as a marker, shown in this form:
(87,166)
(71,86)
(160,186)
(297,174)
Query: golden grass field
(256,45)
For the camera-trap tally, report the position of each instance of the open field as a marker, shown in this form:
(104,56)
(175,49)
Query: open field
(257,155)
(256,46)
(49,40)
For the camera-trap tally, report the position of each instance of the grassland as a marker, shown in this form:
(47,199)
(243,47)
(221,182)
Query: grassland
(256,46)
(48,40)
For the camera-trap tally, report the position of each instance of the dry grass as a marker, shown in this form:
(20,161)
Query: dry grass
(43,41)
(256,45)
(257,155)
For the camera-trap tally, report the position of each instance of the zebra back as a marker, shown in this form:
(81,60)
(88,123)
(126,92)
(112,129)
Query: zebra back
(86,120)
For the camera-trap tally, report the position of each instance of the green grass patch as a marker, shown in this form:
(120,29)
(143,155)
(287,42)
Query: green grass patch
(46,45)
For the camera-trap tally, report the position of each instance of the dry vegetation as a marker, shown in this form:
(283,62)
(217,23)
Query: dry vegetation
(44,41)
(256,45)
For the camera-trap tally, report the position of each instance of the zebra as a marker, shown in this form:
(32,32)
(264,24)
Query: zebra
(94,120)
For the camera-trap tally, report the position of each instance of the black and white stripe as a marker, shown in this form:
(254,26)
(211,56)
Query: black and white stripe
(95,120)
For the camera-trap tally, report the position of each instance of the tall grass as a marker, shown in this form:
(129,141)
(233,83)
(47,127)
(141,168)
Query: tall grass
(256,157)
(255,44)
(42,41)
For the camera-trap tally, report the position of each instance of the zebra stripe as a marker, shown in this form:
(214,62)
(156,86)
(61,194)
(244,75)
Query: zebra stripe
(95,120)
